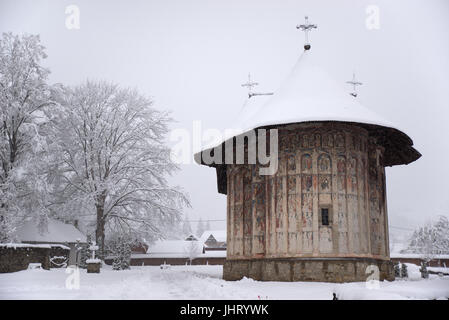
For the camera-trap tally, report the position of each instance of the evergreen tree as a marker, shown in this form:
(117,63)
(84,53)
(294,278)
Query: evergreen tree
(423,270)
(120,248)
(431,240)
(397,271)
(404,272)
(85,252)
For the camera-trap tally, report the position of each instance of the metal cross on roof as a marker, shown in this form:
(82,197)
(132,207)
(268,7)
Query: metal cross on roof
(306,27)
(354,84)
(250,84)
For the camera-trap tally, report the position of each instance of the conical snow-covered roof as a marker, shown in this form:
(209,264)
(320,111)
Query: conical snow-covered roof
(309,94)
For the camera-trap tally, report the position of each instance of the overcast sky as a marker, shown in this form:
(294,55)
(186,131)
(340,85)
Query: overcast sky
(192,55)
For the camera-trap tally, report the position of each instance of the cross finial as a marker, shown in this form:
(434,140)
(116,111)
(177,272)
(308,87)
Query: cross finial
(250,84)
(93,248)
(306,27)
(354,84)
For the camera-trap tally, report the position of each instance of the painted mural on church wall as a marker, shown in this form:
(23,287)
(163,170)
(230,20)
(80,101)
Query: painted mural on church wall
(335,168)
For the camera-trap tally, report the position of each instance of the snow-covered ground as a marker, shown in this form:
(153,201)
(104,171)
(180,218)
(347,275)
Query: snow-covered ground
(203,282)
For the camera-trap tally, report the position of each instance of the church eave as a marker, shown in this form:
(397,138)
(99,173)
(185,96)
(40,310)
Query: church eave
(398,149)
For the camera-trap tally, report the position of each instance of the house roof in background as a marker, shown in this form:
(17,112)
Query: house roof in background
(175,247)
(57,232)
(219,235)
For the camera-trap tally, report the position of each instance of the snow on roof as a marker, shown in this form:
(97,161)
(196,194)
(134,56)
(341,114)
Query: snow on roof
(191,236)
(207,254)
(177,247)
(57,232)
(24,245)
(219,235)
(417,256)
(308,94)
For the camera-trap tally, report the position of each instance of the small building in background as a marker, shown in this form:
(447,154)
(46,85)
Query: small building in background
(210,248)
(214,240)
(192,237)
(55,234)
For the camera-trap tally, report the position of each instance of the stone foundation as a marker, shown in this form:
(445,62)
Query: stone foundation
(310,269)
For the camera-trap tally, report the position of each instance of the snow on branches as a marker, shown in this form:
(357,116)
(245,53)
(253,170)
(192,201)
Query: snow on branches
(113,162)
(24,102)
(431,240)
(94,153)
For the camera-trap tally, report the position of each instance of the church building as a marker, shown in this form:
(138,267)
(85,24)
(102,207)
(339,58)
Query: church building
(322,216)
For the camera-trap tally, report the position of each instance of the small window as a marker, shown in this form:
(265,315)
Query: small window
(325,216)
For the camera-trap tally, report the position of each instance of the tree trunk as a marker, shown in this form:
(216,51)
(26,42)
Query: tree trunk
(99,232)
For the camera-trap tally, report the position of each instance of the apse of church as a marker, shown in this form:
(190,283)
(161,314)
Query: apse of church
(326,199)
(322,216)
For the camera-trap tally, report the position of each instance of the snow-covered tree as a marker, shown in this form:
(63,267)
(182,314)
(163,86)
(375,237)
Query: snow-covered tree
(442,235)
(423,270)
(113,161)
(404,272)
(24,101)
(397,270)
(200,228)
(431,239)
(119,246)
(85,252)
(193,250)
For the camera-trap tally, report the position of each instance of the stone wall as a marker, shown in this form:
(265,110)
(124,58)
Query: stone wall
(309,269)
(59,256)
(16,257)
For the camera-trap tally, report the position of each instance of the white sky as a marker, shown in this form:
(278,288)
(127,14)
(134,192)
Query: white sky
(192,55)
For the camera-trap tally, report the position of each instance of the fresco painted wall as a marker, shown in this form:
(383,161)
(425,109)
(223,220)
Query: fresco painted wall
(321,166)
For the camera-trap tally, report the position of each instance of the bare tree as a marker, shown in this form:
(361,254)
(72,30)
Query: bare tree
(193,250)
(24,98)
(113,162)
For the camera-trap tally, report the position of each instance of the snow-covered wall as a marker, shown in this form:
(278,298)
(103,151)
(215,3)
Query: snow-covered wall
(17,256)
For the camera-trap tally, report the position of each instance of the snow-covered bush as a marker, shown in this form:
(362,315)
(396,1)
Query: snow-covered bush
(85,252)
(397,270)
(423,270)
(404,272)
(119,248)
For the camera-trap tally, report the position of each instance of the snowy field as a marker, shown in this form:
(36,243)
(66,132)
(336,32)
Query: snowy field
(203,282)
